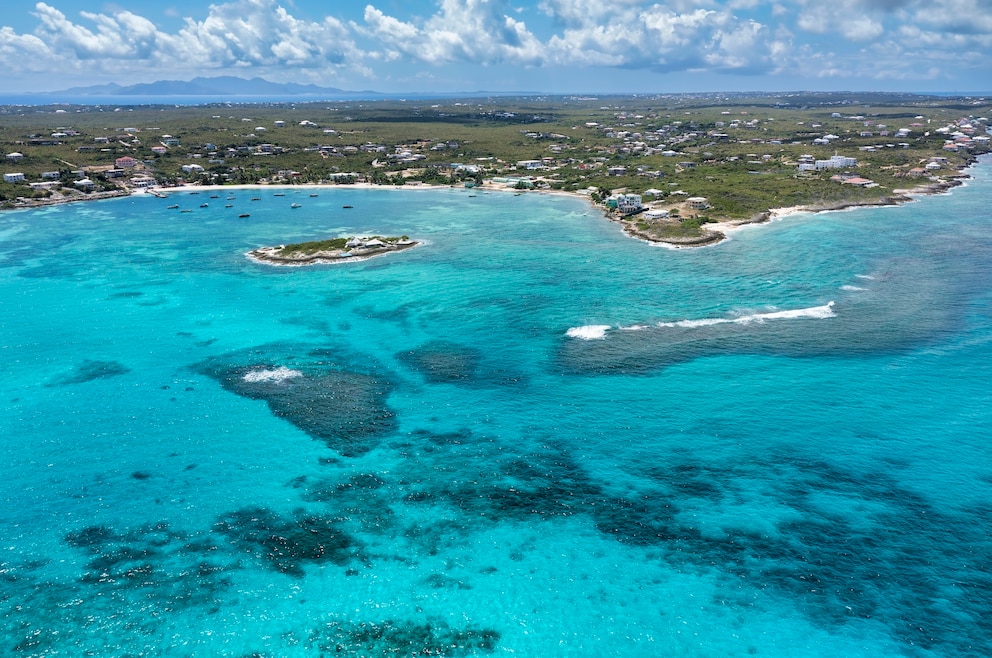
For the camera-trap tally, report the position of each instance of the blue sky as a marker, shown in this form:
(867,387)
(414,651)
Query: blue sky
(553,46)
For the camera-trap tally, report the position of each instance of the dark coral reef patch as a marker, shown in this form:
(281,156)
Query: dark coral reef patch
(344,407)
(88,371)
(287,544)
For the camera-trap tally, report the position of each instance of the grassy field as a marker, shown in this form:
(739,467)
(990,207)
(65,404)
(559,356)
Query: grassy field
(739,152)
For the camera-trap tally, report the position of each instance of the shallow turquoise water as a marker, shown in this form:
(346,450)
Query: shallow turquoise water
(778,446)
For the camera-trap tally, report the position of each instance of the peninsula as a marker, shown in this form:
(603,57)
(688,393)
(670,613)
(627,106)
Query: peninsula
(334,250)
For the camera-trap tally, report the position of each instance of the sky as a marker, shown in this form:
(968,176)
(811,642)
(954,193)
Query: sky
(545,46)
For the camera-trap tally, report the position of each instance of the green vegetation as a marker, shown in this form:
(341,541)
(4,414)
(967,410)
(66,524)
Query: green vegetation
(740,152)
(303,248)
(332,245)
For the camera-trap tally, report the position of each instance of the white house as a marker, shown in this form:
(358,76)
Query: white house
(13,157)
(192,168)
(13,178)
(628,203)
(142,181)
(698,202)
(836,162)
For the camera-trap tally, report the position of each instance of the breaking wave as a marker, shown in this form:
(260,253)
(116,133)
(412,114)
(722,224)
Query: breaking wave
(589,332)
(598,331)
(276,375)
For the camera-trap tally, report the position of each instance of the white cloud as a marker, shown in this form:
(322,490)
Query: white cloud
(476,31)
(655,37)
(242,33)
(809,38)
(853,19)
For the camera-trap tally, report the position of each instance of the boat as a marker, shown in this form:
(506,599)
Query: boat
(214,196)
(230,198)
(294,205)
(229,205)
(314,195)
(347,206)
(172,207)
(244,214)
(256,198)
(204,205)
(279,194)
(187,210)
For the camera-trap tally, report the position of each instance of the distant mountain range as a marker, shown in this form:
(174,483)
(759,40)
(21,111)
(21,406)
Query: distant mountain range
(219,86)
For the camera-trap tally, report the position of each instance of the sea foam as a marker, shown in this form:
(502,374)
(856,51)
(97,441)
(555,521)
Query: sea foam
(280,374)
(588,332)
(813,312)
(598,331)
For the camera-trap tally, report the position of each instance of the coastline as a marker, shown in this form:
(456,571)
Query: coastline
(711,233)
(267,255)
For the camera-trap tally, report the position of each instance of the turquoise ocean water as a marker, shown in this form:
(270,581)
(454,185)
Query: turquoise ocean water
(530,436)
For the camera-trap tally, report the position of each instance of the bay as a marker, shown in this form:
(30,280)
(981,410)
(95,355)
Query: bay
(532,434)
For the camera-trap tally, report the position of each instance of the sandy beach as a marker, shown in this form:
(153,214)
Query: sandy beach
(712,233)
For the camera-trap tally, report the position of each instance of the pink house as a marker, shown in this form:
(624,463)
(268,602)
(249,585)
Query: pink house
(125,162)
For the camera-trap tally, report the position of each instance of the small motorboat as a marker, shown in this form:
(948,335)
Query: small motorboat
(244,214)
(229,205)
(256,198)
(279,194)
(204,205)
(172,207)
(214,196)
(313,195)
(347,206)
(294,205)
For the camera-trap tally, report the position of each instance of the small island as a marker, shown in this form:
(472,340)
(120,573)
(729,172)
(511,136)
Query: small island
(334,250)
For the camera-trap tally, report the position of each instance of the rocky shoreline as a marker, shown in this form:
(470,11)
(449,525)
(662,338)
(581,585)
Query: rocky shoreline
(714,233)
(354,250)
(55,200)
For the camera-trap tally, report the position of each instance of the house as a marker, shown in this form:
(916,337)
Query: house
(125,162)
(617,170)
(142,182)
(15,156)
(697,202)
(85,184)
(51,175)
(159,150)
(192,168)
(917,172)
(628,203)
(13,178)
(836,162)
(45,185)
